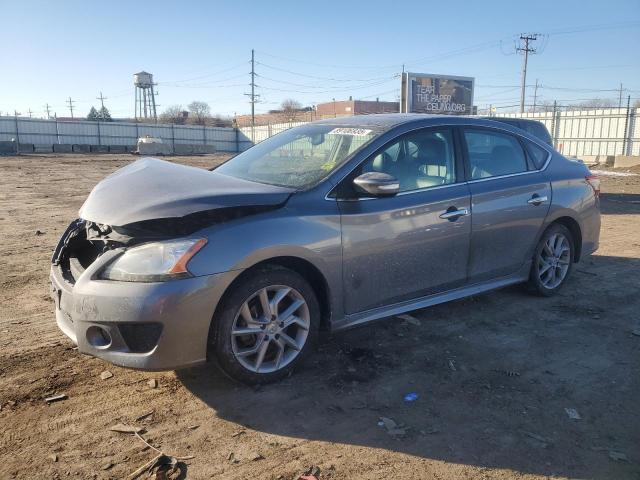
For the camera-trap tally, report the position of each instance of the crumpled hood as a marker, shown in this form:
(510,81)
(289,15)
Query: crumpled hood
(151,188)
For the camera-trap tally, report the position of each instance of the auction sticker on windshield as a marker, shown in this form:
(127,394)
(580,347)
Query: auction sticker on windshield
(349,131)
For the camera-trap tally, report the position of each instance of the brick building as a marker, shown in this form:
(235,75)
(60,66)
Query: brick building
(348,108)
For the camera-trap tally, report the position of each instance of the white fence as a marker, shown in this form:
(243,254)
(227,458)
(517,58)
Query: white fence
(613,131)
(259,133)
(610,131)
(82,132)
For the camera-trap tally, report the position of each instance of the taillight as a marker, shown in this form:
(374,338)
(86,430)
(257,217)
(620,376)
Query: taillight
(595,184)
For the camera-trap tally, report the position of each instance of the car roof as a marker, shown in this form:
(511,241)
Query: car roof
(386,121)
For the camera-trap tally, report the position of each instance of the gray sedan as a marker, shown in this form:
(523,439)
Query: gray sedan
(324,226)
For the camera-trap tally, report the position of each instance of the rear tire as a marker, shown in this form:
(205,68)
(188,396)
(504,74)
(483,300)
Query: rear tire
(552,261)
(252,340)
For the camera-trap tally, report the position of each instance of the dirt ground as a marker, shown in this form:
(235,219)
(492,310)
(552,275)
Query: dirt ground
(494,373)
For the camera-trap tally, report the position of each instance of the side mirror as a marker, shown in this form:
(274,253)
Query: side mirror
(377,184)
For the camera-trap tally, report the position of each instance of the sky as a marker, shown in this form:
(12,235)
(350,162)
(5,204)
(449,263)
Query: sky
(310,51)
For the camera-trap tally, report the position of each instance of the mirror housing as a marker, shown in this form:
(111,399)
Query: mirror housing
(377,184)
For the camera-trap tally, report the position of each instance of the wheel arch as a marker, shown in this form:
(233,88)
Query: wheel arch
(573,226)
(303,267)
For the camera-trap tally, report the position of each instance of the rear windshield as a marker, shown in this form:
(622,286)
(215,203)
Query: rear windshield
(300,157)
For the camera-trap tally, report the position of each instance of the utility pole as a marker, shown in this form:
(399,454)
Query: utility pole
(253,96)
(70,103)
(535,96)
(47,108)
(30,113)
(525,49)
(101,98)
(620,97)
(253,89)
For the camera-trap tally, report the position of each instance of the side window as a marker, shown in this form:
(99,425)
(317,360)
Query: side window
(538,130)
(493,153)
(420,159)
(538,154)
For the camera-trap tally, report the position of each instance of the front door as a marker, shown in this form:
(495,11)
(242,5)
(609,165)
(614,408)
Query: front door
(416,242)
(510,199)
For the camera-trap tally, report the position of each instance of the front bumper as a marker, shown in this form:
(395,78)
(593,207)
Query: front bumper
(150,326)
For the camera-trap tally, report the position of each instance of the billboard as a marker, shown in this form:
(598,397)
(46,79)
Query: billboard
(437,94)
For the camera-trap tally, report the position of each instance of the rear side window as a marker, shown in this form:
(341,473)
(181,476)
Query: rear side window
(492,153)
(538,154)
(538,130)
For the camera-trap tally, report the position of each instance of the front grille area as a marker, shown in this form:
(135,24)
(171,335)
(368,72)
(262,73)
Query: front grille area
(74,253)
(140,337)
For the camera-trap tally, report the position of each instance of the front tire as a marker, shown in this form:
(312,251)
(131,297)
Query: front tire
(267,324)
(552,261)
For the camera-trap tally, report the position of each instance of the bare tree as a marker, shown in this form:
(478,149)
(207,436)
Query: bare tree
(595,103)
(174,114)
(291,108)
(200,112)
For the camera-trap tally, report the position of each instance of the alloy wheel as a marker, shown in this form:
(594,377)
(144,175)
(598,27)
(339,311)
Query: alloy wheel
(270,329)
(554,260)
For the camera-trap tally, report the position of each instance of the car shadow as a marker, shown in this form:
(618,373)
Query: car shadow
(493,375)
(619,203)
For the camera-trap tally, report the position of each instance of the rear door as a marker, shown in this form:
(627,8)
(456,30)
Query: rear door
(412,244)
(510,199)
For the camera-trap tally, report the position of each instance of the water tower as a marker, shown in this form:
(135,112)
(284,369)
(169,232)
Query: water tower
(145,97)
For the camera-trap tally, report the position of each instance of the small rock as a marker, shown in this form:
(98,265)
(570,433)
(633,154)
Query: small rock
(106,374)
(313,470)
(256,456)
(53,457)
(38,233)
(193,427)
(153,383)
(238,433)
(573,413)
(107,466)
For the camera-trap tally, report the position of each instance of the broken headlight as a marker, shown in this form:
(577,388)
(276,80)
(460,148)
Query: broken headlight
(154,262)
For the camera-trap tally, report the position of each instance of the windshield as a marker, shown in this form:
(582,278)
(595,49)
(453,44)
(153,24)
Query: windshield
(299,157)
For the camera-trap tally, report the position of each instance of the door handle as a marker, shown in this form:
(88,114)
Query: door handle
(453,213)
(537,200)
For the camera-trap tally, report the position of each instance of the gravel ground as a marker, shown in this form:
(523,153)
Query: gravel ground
(494,373)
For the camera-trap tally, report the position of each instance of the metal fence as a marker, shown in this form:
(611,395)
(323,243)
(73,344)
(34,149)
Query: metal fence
(81,132)
(259,133)
(609,131)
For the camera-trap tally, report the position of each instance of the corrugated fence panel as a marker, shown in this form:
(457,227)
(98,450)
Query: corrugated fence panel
(37,131)
(7,128)
(78,133)
(186,134)
(591,132)
(112,133)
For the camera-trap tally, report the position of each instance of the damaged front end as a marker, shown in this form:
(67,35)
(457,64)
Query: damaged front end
(85,241)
